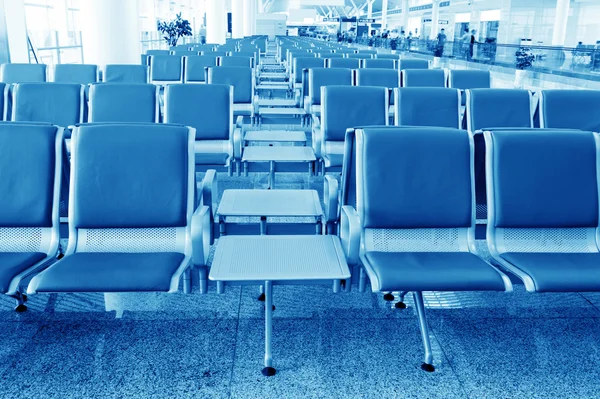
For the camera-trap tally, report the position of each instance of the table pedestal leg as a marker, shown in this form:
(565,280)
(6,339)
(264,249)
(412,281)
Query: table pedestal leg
(268,370)
(271,174)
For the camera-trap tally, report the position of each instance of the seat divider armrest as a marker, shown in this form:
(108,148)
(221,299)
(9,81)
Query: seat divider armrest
(350,234)
(330,197)
(201,232)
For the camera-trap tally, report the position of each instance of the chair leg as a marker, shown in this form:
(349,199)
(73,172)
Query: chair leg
(203,279)
(428,363)
(21,299)
(362,280)
(187,281)
(400,304)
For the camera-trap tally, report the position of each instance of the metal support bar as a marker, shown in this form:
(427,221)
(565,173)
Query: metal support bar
(418,297)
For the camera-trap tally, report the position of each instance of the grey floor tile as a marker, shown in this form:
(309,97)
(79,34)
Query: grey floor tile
(322,358)
(523,358)
(133,359)
(14,339)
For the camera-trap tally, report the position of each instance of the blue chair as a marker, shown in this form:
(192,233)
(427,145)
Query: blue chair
(427,106)
(543,207)
(350,63)
(299,65)
(117,73)
(194,68)
(412,63)
(493,108)
(184,53)
(3,101)
(389,78)
(215,53)
(121,102)
(394,57)
(242,80)
(209,110)
(235,61)
(132,217)
(20,73)
(150,53)
(250,54)
(464,79)
(56,103)
(30,166)
(166,69)
(318,77)
(330,55)
(415,216)
(359,57)
(76,73)
(379,64)
(345,107)
(570,109)
(423,78)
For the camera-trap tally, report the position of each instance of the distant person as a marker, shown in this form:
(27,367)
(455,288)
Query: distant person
(402,40)
(409,40)
(464,41)
(441,42)
(472,44)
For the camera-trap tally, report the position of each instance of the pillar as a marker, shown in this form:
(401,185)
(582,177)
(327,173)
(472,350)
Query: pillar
(237,19)
(216,22)
(559,34)
(370,13)
(102,45)
(405,12)
(435,19)
(16,30)
(249,17)
(384,10)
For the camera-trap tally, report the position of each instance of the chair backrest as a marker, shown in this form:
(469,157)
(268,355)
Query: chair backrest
(150,53)
(241,78)
(318,77)
(379,64)
(488,108)
(215,53)
(351,63)
(413,63)
(427,106)
(184,53)
(415,189)
(389,78)
(121,102)
(301,63)
(345,107)
(20,73)
(571,109)
(423,78)
(254,54)
(56,103)
(166,68)
(542,190)
(394,57)
(360,57)
(330,55)
(374,52)
(235,61)
(3,94)
(30,170)
(76,73)
(132,184)
(195,67)
(206,108)
(123,73)
(469,79)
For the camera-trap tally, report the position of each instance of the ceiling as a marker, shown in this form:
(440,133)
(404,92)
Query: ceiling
(348,8)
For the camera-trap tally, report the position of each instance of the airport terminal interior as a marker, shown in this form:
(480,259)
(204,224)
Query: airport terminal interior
(299,199)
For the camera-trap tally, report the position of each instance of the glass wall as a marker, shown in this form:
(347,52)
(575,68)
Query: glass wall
(54,34)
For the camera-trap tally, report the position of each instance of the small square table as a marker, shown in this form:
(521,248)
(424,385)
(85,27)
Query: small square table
(272,260)
(273,155)
(276,136)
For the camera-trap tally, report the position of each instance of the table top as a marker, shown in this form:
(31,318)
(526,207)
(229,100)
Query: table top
(275,135)
(279,258)
(278,154)
(281,203)
(282,111)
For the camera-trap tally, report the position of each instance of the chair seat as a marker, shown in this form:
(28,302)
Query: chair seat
(559,272)
(432,271)
(109,272)
(13,263)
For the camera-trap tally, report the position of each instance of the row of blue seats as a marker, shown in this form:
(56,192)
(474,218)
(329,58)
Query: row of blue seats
(407,211)
(73,73)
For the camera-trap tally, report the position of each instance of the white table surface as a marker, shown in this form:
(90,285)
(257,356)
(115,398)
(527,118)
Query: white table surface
(278,154)
(270,203)
(276,135)
(279,258)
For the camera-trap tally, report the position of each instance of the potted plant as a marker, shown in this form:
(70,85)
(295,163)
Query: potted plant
(524,61)
(174,29)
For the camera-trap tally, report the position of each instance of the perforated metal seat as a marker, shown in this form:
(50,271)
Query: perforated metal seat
(543,207)
(416,216)
(132,225)
(29,217)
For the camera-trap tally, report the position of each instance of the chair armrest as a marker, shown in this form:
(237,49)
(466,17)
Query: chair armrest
(237,143)
(330,197)
(201,229)
(255,103)
(350,234)
(239,121)
(208,197)
(317,137)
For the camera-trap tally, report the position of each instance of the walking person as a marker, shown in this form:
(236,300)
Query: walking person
(472,44)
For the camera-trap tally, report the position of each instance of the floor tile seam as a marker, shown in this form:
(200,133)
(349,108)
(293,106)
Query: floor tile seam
(590,302)
(233,359)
